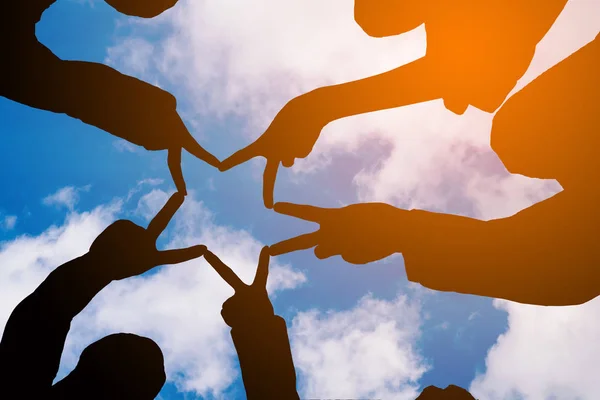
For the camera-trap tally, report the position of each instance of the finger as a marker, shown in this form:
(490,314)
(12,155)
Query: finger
(177,256)
(269,181)
(262,272)
(288,162)
(224,271)
(194,148)
(301,242)
(305,212)
(322,252)
(241,156)
(174,162)
(162,219)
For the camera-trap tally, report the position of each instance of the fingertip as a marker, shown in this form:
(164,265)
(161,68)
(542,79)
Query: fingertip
(202,249)
(277,206)
(268,201)
(179,196)
(288,163)
(265,251)
(319,253)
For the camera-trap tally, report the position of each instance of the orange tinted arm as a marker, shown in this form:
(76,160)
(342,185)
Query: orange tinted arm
(380,18)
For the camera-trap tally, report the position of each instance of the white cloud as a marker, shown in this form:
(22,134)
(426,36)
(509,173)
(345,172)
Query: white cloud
(151,182)
(248,59)
(134,54)
(251,61)
(367,352)
(178,306)
(9,222)
(26,260)
(65,197)
(546,353)
(125,146)
(150,203)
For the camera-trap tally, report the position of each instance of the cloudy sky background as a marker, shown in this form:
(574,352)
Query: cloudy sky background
(356,332)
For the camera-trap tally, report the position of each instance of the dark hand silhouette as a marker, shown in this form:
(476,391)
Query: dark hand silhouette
(96,94)
(291,135)
(355,232)
(250,304)
(130,250)
(260,337)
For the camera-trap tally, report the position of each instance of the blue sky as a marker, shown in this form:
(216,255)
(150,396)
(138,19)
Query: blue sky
(44,152)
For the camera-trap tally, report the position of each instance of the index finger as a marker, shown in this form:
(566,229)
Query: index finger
(269,177)
(174,163)
(241,156)
(305,212)
(164,216)
(224,271)
(262,272)
(301,242)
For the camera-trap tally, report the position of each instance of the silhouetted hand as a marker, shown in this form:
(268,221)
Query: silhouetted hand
(250,304)
(360,233)
(128,249)
(291,135)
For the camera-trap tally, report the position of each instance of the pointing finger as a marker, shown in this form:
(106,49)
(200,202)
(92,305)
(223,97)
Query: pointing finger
(305,212)
(301,242)
(194,148)
(262,272)
(241,156)
(177,256)
(224,271)
(164,216)
(174,163)
(269,177)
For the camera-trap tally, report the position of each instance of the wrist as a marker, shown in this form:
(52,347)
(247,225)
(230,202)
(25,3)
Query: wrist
(96,268)
(323,104)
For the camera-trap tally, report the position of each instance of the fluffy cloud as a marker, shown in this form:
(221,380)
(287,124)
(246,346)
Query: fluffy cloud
(546,353)
(177,306)
(65,197)
(366,352)
(248,59)
(27,260)
(150,203)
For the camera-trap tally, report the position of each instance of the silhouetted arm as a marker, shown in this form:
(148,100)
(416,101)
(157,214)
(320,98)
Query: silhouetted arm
(265,357)
(413,83)
(35,334)
(259,336)
(543,255)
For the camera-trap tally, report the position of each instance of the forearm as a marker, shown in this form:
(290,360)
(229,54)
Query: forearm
(266,360)
(539,256)
(409,84)
(35,333)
